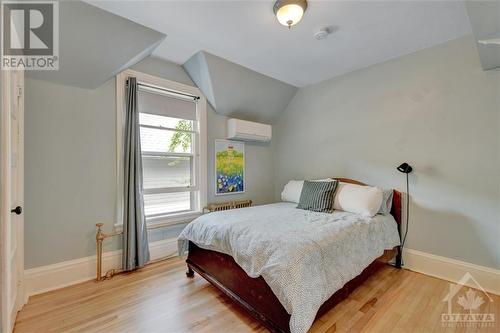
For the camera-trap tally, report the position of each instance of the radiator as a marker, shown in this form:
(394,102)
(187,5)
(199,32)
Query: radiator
(216,207)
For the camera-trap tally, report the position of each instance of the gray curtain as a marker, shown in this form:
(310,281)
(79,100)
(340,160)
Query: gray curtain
(135,236)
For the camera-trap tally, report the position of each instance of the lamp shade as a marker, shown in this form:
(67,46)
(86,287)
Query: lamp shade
(405,168)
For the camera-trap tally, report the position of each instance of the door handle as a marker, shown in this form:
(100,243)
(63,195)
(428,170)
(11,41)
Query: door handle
(18,210)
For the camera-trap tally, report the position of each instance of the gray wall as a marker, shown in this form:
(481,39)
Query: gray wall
(70,171)
(436,109)
(70,174)
(259,177)
(164,69)
(259,157)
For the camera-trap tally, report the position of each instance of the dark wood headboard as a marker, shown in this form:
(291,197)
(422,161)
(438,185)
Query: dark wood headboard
(396,198)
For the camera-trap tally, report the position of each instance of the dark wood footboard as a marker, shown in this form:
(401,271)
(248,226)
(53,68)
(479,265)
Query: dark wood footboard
(254,294)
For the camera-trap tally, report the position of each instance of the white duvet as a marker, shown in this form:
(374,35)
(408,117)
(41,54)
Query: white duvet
(304,256)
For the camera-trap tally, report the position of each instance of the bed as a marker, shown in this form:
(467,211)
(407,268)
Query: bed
(288,266)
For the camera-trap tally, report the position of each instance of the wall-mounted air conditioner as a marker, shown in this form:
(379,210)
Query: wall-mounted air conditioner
(243,130)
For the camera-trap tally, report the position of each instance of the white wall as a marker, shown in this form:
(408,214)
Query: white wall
(437,110)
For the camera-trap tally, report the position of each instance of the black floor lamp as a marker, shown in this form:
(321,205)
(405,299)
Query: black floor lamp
(406,169)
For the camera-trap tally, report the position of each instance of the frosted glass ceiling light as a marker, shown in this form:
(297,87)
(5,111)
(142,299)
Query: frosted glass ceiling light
(289,12)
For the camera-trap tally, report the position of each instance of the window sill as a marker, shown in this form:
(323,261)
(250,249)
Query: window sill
(165,221)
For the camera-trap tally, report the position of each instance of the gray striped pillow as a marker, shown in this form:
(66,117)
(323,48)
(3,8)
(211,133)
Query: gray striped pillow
(317,196)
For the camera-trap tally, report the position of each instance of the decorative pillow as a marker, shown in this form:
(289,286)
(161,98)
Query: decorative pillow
(385,207)
(359,199)
(291,191)
(317,196)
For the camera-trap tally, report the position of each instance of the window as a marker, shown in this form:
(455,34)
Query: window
(173,144)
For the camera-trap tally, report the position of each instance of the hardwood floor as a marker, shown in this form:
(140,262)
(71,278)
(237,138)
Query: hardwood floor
(159,298)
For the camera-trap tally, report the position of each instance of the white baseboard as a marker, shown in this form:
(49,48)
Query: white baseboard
(46,278)
(451,269)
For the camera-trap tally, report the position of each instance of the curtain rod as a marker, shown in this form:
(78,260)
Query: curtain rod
(173,92)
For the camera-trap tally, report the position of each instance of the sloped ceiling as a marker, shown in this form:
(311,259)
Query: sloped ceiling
(95,45)
(485,21)
(247,33)
(197,69)
(236,91)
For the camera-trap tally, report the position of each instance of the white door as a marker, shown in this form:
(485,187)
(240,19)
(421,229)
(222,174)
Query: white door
(11,197)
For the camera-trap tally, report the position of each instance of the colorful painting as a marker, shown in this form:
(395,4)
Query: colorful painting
(229,167)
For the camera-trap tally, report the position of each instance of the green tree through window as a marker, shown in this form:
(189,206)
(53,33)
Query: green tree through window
(182,139)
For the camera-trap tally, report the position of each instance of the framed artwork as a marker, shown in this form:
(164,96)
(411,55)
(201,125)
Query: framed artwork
(229,167)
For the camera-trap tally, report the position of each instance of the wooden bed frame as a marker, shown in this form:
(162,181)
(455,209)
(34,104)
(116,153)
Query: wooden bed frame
(254,294)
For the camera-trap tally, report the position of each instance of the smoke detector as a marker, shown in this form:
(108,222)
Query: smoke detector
(322,33)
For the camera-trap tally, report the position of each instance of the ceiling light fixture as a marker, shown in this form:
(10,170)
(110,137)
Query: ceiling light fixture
(289,12)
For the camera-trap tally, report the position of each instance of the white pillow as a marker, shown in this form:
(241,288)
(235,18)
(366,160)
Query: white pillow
(364,200)
(291,191)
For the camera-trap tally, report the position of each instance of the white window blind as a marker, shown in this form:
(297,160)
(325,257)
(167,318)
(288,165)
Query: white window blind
(156,101)
(169,144)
